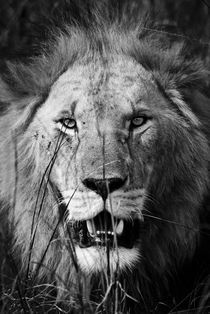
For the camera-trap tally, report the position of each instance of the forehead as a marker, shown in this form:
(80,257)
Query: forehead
(120,83)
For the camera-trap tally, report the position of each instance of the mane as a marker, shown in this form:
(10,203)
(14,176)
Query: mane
(24,87)
(102,32)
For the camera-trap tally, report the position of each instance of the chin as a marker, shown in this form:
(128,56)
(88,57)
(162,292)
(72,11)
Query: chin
(95,259)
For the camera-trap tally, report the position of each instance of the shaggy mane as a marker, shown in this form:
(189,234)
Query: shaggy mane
(102,32)
(92,34)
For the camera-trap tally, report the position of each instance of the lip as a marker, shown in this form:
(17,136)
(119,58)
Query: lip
(105,230)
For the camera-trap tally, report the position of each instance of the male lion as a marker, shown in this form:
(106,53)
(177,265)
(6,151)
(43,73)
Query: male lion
(104,168)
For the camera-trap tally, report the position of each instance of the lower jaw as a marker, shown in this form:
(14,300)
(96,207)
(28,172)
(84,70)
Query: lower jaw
(94,259)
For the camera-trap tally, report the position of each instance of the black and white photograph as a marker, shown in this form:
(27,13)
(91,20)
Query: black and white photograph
(105,156)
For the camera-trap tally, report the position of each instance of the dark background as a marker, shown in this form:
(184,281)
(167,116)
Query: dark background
(18,17)
(21,22)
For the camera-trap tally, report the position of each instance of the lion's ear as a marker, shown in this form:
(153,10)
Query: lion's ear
(21,108)
(5,95)
(8,96)
(200,104)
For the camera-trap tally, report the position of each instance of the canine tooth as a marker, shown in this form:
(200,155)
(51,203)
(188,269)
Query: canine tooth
(120,227)
(90,227)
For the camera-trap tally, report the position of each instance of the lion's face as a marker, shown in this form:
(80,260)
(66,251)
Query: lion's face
(102,121)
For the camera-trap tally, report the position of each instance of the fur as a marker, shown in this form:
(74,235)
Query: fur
(176,201)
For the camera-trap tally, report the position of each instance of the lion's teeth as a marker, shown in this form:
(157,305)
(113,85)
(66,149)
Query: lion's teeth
(99,232)
(93,232)
(120,227)
(90,227)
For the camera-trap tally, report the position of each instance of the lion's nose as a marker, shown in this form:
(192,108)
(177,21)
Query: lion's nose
(104,186)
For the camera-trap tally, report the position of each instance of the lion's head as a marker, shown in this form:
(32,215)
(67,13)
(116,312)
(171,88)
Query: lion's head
(104,155)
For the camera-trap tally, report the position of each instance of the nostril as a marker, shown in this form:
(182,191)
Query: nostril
(115,184)
(90,183)
(104,186)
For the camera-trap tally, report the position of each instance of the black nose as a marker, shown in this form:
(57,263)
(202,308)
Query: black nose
(104,186)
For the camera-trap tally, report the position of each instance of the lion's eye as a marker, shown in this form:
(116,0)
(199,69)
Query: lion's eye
(68,123)
(138,121)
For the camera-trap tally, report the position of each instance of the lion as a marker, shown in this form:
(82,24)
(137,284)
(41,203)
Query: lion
(104,166)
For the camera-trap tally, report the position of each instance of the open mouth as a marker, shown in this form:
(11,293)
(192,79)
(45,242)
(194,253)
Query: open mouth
(105,230)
